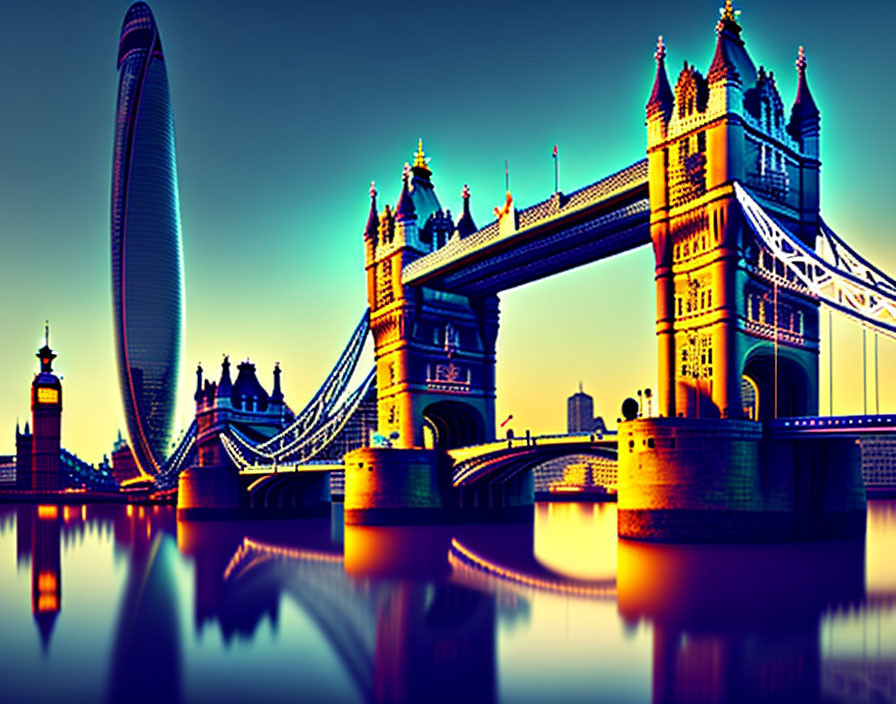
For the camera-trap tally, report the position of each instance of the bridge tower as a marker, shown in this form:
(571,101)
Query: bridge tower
(435,362)
(738,341)
(735,338)
(435,351)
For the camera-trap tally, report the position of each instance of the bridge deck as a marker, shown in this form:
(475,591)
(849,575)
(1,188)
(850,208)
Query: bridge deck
(604,218)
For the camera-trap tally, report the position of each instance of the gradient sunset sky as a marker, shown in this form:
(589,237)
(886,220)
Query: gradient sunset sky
(284,113)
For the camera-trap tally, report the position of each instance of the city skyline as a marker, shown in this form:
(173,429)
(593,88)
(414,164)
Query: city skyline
(273,219)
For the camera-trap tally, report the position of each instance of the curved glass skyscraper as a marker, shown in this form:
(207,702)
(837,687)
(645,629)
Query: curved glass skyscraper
(147,260)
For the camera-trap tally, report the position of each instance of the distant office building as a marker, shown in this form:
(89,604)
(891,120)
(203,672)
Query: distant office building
(580,414)
(147,267)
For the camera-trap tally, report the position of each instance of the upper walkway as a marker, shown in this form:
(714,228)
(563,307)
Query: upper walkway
(609,216)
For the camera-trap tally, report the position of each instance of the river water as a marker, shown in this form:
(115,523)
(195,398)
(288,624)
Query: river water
(117,603)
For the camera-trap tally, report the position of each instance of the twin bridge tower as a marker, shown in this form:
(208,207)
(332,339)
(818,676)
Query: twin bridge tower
(737,333)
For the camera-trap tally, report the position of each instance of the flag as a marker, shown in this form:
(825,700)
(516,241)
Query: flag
(555,151)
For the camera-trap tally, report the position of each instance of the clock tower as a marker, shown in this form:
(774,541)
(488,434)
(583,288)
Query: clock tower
(46,421)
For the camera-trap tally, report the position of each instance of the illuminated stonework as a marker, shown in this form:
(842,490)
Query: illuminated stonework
(726,311)
(147,267)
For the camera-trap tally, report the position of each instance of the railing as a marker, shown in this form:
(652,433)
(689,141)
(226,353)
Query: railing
(836,423)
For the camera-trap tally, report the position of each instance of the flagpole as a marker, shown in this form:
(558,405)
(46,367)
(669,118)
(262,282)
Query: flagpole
(556,171)
(506,175)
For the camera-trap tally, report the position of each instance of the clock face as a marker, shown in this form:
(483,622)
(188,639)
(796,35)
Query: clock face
(45,395)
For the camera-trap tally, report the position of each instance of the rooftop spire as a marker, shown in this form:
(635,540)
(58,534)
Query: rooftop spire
(277,394)
(421,162)
(373,220)
(198,395)
(728,18)
(661,96)
(731,60)
(466,226)
(404,209)
(804,113)
(45,354)
(225,386)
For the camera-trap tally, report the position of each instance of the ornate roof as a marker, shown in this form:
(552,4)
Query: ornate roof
(731,59)
(248,387)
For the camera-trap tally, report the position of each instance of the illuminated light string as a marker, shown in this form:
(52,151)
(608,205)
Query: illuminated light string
(311,419)
(301,449)
(332,388)
(463,555)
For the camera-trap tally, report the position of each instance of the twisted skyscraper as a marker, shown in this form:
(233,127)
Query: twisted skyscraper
(147,266)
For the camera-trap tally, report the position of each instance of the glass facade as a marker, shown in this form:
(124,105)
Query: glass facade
(147,258)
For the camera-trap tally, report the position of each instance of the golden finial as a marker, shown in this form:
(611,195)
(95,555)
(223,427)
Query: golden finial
(728,13)
(801,61)
(465,194)
(660,50)
(420,158)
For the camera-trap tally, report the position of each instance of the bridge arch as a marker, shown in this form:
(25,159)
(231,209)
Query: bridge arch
(452,424)
(758,385)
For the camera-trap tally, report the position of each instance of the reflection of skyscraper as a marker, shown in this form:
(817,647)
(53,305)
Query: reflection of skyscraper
(147,269)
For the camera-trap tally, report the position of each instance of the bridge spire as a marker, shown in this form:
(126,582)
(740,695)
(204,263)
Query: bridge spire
(661,96)
(730,60)
(277,393)
(421,161)
(225,385)
(198,395)
(466,226)
(804,109)
(373,220)
(404,209)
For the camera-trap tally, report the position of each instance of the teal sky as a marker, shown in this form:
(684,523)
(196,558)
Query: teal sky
(284,113)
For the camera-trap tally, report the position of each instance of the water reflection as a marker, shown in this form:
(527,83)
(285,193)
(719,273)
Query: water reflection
(737,624)
(448,613)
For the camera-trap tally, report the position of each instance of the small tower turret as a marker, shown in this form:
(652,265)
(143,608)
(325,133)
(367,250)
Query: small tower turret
(466,226)
(660,102)
(225,385)
(371,230)
(805,128)
(805,118)
(198,395)
(277,394)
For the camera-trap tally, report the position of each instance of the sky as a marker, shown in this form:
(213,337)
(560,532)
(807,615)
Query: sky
(285,111)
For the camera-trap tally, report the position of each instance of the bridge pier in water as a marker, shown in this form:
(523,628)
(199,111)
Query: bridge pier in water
(404,486)
(723,480)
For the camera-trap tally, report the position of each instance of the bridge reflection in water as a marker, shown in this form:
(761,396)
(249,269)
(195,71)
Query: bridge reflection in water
(470,613)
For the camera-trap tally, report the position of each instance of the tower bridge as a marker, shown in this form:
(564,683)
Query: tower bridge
(728,198)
